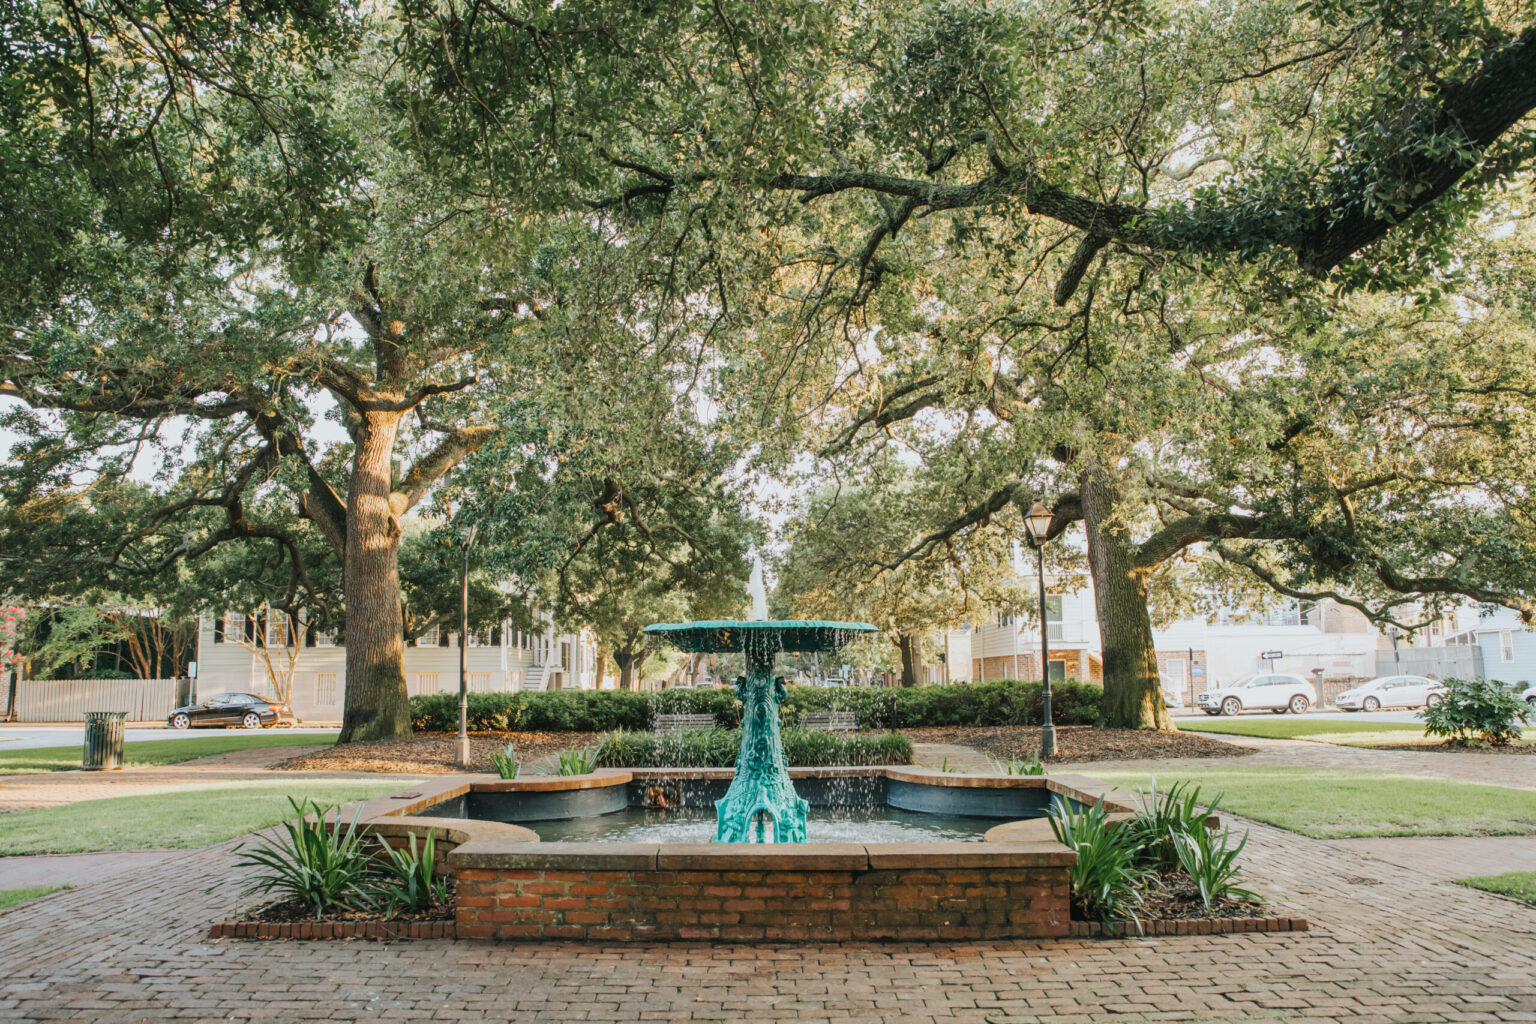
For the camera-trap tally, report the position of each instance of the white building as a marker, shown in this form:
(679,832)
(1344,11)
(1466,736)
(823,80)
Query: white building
(230,659)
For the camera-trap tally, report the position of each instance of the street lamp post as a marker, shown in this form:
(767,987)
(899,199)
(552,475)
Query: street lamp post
(1396,634)
(463,752)
(1037,526)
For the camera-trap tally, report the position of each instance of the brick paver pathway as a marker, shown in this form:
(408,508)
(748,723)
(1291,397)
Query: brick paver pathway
(1386,946)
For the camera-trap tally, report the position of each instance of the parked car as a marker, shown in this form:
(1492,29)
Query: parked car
(832,681)
(1529,694)
(1392,692)
(246,710)
(1274,691)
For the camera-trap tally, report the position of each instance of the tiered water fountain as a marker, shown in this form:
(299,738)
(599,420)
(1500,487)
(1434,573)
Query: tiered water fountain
(761,805)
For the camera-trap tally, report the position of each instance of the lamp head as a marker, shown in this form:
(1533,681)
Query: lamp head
(1037,523)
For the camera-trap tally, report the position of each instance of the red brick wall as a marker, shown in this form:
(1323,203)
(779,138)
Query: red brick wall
(786,906)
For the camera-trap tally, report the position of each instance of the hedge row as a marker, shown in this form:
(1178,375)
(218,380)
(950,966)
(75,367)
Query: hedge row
(1004,702)
(716,748)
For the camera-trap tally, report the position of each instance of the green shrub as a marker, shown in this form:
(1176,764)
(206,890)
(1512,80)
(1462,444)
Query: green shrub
(578,760)
(1476,711)
(505,761)
(1106,879)
(1210,860)
(1002,702)
(1163,818)
(409,876)
(569,710)
(313,862)
(717,748)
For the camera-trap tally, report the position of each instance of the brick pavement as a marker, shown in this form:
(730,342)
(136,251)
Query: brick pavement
(1400,950)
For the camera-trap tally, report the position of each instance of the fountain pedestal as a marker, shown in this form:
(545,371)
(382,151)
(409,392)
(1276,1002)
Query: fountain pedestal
(761,794)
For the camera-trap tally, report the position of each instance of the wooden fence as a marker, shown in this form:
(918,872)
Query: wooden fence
(67,700)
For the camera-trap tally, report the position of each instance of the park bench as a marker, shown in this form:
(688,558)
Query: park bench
(681,723)
(830,721)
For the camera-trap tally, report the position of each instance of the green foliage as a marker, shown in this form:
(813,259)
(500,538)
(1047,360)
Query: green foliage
(717,748)
(1106,878)
(1520,885)
(1477,711)
(1163,817)
(408,876)
(1003,702)
(579,760)
(1210,860)
(312,861)
(1019,766)
(505,761)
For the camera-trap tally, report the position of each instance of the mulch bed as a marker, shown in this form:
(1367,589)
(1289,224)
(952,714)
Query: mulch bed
(1081,743)
(433,753)
(1516,749)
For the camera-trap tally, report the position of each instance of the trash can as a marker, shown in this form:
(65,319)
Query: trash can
(103,740)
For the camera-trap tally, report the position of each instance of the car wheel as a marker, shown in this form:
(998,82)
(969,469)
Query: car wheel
(1370,704)
(1299,704)
(1433,700)
(178,721)
(1213,714)
(1231,706)
(1278,711)
(251,720)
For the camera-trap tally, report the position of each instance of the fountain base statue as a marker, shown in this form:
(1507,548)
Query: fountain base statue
(761,794)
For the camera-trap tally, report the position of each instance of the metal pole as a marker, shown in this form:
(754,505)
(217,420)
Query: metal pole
(463,751)
(1048,728)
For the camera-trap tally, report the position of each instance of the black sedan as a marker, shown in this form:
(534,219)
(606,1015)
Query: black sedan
(243,709)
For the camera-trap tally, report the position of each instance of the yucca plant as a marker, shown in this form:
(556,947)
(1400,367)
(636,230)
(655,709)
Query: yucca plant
(409,881)
(1164,815)
(505,761)
(580,761)
(1210,861)
(1106,878)
(315,862)
(1019,766)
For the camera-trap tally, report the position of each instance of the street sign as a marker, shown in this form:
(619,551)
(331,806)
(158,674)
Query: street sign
(1272,655)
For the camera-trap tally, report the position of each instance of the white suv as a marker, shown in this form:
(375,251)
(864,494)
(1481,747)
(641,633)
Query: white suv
(1275,691)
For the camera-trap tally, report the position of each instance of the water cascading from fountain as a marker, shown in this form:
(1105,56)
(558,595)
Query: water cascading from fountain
(762,799)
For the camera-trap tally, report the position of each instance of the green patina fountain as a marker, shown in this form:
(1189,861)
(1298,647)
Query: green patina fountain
(761,794)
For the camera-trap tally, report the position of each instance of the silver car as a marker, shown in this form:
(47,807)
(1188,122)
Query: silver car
(1392,692)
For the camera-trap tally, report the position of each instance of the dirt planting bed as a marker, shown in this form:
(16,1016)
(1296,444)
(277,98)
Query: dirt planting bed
(433,753)
(1081,743)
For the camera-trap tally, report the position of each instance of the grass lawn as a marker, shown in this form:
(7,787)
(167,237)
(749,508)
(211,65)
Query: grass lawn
(11,897)
(1324,804)
(1519,884)
(1284,727)
(156,752)
(184,818)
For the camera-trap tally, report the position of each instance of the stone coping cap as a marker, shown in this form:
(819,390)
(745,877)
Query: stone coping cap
(934,777)
(458,831)
(551,783)
(763,857)
(1002,854)
(556,856)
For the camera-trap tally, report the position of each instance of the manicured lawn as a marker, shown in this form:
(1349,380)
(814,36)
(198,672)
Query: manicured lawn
(1519,884)
(1325,804)
(11,897)
(1284,727)
(183,818)
(157,752)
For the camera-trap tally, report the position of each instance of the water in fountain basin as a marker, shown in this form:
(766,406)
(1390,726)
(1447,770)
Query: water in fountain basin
(823,825)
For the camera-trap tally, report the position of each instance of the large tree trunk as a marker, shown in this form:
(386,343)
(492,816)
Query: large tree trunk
(1133,698)
(376,706)
(629,662)
(911,659)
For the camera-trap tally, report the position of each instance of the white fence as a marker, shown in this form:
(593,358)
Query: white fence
(67,700)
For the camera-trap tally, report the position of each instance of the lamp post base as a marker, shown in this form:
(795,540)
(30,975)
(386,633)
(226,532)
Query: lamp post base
(1047,741)
(462,756)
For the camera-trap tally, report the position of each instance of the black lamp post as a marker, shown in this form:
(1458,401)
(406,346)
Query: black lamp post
(1396,634)
(1037,527)
(463,753)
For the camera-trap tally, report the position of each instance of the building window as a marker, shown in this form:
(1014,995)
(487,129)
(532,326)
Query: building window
(1058,671)
(428,637)
(218,630)
(1506,645)
(1053,616)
